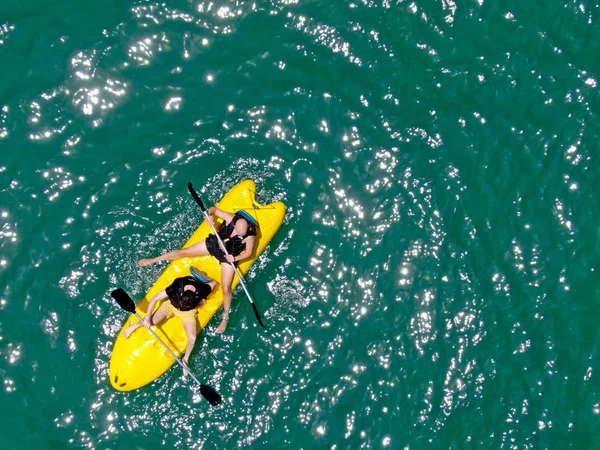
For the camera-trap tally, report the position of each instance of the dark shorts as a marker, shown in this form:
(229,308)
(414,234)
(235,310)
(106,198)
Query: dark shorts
(213,247)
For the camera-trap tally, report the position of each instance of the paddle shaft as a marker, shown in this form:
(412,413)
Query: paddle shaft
(181,363)
(222,244)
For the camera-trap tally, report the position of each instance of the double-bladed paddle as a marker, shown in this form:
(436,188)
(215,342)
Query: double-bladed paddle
(125,302)
(239,275)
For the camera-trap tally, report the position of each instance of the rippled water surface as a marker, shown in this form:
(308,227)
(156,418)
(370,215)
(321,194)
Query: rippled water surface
(435,282)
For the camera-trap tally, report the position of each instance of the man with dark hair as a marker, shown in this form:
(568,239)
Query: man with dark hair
(184,296)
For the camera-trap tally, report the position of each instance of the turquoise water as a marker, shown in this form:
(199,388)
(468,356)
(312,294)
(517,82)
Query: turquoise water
(435,283)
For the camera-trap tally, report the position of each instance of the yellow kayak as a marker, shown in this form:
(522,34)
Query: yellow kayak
(141,359)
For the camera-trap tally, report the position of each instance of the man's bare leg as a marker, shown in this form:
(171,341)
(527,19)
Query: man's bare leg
(157,318)
(198,249)
(227,274)
(190,330)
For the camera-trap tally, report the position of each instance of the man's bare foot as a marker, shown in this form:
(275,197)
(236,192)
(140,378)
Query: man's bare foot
(185,372)
(145,262)
(130,329)
(223,325)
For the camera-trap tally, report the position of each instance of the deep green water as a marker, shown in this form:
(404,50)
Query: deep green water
(435,283)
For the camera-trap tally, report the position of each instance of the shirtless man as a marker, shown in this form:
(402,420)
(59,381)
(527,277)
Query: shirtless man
(238,233)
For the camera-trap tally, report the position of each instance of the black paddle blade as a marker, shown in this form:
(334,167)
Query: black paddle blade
(257,315)
(123,299)
(210,394)
(195,195)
